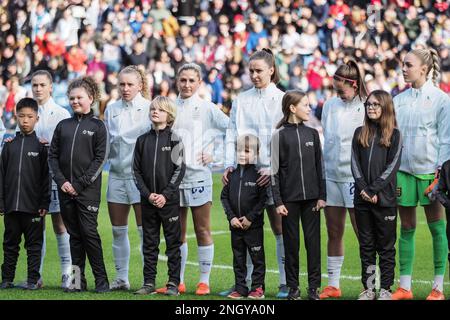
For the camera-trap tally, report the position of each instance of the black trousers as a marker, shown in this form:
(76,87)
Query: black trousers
(377,228)
(32,227)
(253,241)
(152,219)
(80,219)
(291,238)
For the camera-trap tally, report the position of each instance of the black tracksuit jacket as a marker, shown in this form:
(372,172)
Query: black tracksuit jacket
(243,197)
(297,164)
(375,168)
(78,152)
(24,176)
(154,169)
(443,188)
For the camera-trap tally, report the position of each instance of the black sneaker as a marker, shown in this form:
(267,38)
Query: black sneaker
(172,289)
(148,288)
(6,285)
(294,294)
(31,286)
(313,294)
(103,288)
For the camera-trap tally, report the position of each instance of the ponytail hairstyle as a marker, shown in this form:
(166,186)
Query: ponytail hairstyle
(267,55)
(141,76)
(430,58)
(350,73)
(291,97)
(88,84)
(386,123)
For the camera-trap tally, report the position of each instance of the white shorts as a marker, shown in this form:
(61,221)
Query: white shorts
(340,194)
(122,191)
(196,196)
(54,201)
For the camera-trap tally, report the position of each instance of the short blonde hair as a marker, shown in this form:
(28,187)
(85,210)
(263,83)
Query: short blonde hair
(166,105)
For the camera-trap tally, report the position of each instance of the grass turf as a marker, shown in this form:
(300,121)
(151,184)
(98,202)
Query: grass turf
(222,276)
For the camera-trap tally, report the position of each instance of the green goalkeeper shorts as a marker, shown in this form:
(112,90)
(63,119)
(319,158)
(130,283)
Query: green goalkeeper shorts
(411,188)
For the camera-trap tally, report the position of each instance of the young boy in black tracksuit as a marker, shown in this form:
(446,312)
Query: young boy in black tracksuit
(243,201)
(24,195)
(299,193)
(374,167)
(158,169)
(78,152)
(443,195)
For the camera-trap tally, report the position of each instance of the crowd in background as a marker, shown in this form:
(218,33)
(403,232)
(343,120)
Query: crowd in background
(309,38)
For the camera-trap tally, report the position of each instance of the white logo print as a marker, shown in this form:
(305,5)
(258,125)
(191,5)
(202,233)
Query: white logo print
(166,148)
(389,218)
(36,219)
(309,144)
(92,208)
(33,154)
(250,184)
(91,133)
(173,219)
(255,249)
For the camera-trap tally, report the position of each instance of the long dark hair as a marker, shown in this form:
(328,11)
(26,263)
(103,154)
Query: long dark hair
(350,73)
(291,97)
(387,121)
(267,55)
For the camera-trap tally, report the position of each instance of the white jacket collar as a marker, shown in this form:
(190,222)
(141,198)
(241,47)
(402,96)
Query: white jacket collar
(134,102)
(50,102)
(424,88)
(266,91)
(189,100)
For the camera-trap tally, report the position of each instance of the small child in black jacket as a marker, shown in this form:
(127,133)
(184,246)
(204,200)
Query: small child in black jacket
(299,190)
(24,195)
(376,153)
(158,169)
(244,201)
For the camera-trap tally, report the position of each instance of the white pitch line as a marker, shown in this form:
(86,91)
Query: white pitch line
(324,275)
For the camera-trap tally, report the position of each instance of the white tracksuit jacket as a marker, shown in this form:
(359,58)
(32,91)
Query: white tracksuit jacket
(339,121)
(423,117)
(257,112)
(198,122)
(125,123)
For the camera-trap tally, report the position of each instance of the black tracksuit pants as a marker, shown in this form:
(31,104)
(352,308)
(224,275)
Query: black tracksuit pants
(32,227)
(291,238)
(253,241)
(377,228)
(80,220)
(152,219)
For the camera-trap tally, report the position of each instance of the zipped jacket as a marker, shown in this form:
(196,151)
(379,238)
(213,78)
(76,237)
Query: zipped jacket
(78,152)
(199,122)
(423,117)
(443,188)
(297,165)
(339,121)
(24,176)
(242,196)
(126,121)
(375,168)
(257,112)
(158,165)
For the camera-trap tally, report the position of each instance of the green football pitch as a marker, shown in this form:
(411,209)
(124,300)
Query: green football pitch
(222,276)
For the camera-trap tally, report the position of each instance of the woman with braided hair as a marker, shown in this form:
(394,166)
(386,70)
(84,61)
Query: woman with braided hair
(126,119)
(423,115)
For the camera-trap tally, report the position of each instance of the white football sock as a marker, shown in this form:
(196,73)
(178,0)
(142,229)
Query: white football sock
(405,282)
(205,259)
(184,256)
(439,283)
(280,258)
(63,241)
(334,270)
(121,251)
